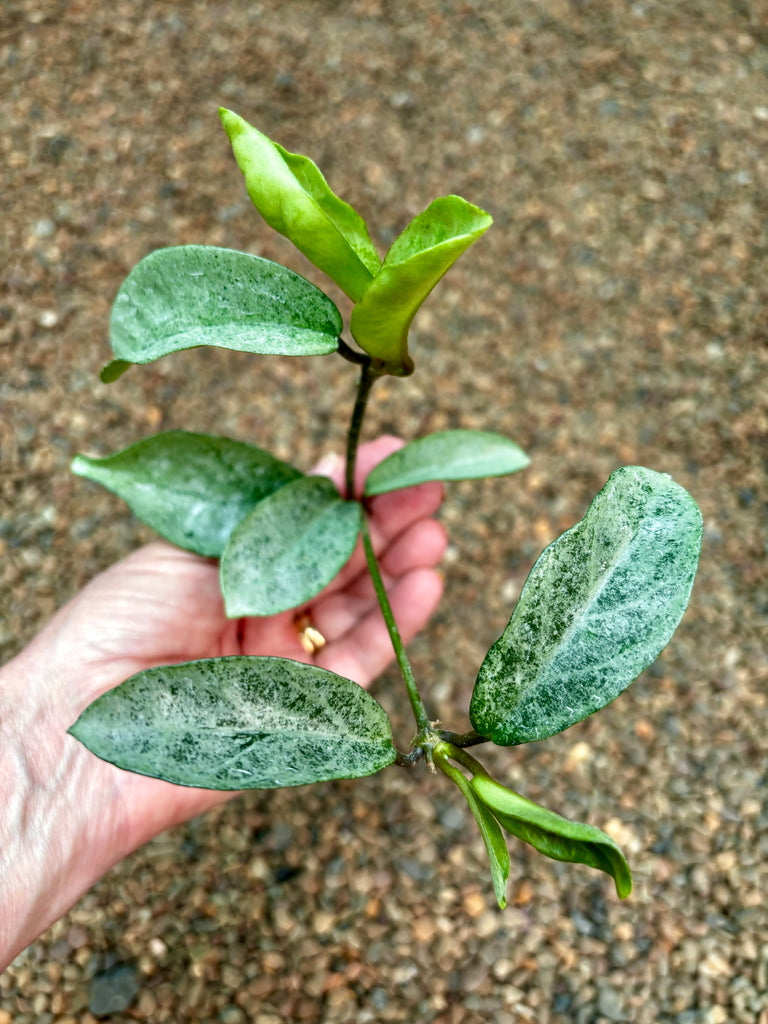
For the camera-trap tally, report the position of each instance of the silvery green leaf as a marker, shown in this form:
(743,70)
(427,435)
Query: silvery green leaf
(192,488)
(448,455)
(239,723)
(598,607)
(191,295)
(288,548)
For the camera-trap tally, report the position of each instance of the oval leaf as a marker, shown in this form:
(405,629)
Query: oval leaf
(190,295)
(598,607)
(553,835)
(448,455)
(418,258)
(239,723)
(293,197)
(289,548)
(498,855)
(192,488)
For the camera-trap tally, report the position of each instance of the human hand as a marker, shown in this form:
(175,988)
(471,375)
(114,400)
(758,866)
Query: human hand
(71,816)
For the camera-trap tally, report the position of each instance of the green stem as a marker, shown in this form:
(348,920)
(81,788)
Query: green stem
(371,370)
(367,377)
(419,711)
(462,739)
(409,760)
(469,762)
(360,358)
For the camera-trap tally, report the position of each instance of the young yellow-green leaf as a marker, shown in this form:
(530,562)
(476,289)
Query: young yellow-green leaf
(498,855)
(192,488)
(551,834)
(288,548)
(190,295)
(418,258)
(239,723)
(293,197)
(448,455)
(598,607)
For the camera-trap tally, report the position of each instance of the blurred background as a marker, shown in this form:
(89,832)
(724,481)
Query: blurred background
(614,314)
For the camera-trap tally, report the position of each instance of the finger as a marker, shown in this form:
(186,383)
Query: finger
(275,635)
(422,545)
(389,512)
(371,454)
(368,456)
(392,513)
(366,650)
(405,508)
(338,614)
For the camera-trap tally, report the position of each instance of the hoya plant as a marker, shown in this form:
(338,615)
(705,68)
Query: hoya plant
(599,605)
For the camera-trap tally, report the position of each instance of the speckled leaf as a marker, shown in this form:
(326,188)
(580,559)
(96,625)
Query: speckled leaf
(192,295)
(293,197)
(448,455)
(553,835)
(598,607)
(496,847)
(418,258)
(239,723)
(288,548)
(192,488)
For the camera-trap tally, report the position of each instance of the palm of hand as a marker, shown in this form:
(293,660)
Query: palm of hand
(162,605)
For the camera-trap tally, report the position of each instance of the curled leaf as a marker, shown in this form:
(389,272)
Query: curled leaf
(293,197)
(496,848)
(553,835)
(547,832)
(418,258)
(190,295)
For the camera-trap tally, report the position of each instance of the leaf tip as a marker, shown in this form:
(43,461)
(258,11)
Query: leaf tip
(114,370)
(231,121)
(73,730)
(80,465)
(623,881)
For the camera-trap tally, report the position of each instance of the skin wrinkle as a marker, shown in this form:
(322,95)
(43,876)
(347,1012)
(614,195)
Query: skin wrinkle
(43,768)
(16,787)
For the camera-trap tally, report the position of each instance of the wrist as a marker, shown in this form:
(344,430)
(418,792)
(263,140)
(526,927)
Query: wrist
(54,829)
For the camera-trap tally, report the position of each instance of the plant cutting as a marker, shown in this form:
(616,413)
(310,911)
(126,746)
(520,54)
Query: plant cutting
(599,605)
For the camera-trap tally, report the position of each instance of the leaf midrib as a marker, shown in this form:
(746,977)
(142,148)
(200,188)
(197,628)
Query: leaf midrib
(549,659)
(331,737)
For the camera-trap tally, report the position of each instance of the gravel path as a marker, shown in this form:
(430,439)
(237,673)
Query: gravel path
(614,314)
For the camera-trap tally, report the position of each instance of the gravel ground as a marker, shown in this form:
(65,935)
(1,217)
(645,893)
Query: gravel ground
(614,314)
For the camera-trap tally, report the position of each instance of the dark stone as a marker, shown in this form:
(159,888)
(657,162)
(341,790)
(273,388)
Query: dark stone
(113,990)
(285,873)
(562,1002)
(55,148)
(417,869)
